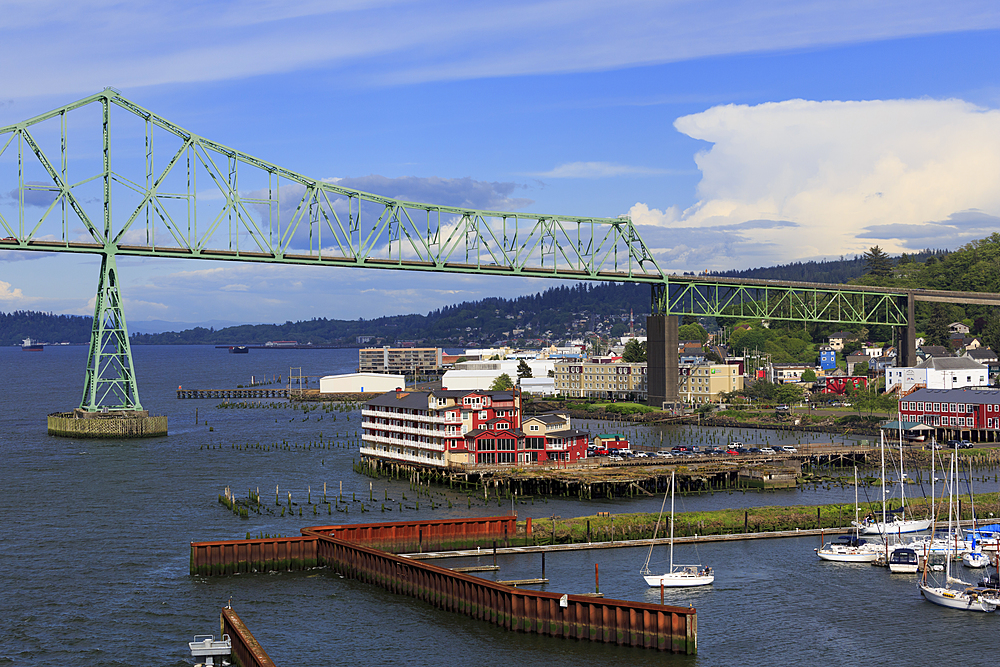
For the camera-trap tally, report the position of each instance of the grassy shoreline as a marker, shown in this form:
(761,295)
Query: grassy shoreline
(637,526)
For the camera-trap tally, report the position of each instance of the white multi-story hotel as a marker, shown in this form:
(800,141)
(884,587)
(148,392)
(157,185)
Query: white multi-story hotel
(437,428)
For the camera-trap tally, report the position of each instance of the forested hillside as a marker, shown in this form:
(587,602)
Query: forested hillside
(43,327)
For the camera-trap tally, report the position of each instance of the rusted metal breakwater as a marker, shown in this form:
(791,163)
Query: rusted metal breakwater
(622,622)
(246,649)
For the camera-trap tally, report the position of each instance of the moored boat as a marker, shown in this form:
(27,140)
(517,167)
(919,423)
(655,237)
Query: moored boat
(850,549)
(680,575)
(903,561)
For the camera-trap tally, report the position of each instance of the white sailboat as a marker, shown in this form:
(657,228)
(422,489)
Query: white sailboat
(898,524)
(850,549)
(680,575)
(969,599)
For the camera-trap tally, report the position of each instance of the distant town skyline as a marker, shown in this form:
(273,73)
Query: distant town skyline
(734,136)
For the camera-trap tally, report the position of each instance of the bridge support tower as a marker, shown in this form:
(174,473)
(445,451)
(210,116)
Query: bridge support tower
(110,406)
(662,369)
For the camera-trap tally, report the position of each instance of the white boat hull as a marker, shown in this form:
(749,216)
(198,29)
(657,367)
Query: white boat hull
(678,579)
(894,527)
(903,568)
(975,559)
(953,599)
(847,555)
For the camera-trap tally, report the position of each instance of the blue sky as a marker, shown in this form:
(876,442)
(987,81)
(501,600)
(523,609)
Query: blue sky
(735,136)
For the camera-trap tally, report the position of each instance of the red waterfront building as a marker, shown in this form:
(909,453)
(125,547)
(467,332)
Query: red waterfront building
(470,427)
(955,412)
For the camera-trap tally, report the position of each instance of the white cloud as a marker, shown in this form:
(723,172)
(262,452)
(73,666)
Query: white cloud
(10,295)
(408,41)
(801,179)
(597,170)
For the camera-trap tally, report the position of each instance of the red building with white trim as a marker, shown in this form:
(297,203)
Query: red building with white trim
(469,427)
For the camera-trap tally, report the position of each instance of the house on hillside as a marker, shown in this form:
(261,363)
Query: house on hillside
(838,339)
(926,351)
(827,358)
(959,328)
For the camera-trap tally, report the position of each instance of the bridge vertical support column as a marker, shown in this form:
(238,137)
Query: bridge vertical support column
(110,405)
(661,353)
(110,382)
(908,340)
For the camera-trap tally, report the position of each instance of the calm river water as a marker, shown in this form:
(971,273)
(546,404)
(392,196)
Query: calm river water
(94,548)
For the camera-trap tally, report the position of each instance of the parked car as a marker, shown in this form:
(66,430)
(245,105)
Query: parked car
(965,444)
(755,450)
(767,450)
(615,457)
(788,449)
(641,455)
(733,452)
(954,444)
(664,454)
(938,445)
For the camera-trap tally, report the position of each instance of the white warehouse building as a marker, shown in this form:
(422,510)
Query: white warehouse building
(356,383)
(938,373)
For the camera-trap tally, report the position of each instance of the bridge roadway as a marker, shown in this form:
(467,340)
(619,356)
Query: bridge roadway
(936,296)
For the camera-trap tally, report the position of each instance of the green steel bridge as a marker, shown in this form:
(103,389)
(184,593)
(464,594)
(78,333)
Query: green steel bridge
(105,176)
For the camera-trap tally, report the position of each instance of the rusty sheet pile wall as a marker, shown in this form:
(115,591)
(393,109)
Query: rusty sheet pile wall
(583,617)
(431,535)
(266,555)
(246,649)
(361,551)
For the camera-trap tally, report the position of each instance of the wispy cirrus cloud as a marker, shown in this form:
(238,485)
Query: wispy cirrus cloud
(600,170)
(392,42)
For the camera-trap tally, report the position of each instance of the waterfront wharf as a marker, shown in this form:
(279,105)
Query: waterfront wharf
(345,549)
(598,477)
(233,393)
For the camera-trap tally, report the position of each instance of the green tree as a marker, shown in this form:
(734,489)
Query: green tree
(809,375)
(523,370)
(635,352)
(937,327)
(789,393)
(692,332)
(502,383)
(877,262)
(861,368)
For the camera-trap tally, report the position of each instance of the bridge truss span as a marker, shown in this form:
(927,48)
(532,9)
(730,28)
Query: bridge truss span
(104,175)
(803,302)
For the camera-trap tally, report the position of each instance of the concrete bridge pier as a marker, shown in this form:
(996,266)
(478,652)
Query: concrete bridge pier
(661,355)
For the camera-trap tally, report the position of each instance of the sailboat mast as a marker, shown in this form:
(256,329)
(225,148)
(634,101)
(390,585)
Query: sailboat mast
(857,513)
(885,528)
(671,521)
(951,499)
(902,492)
